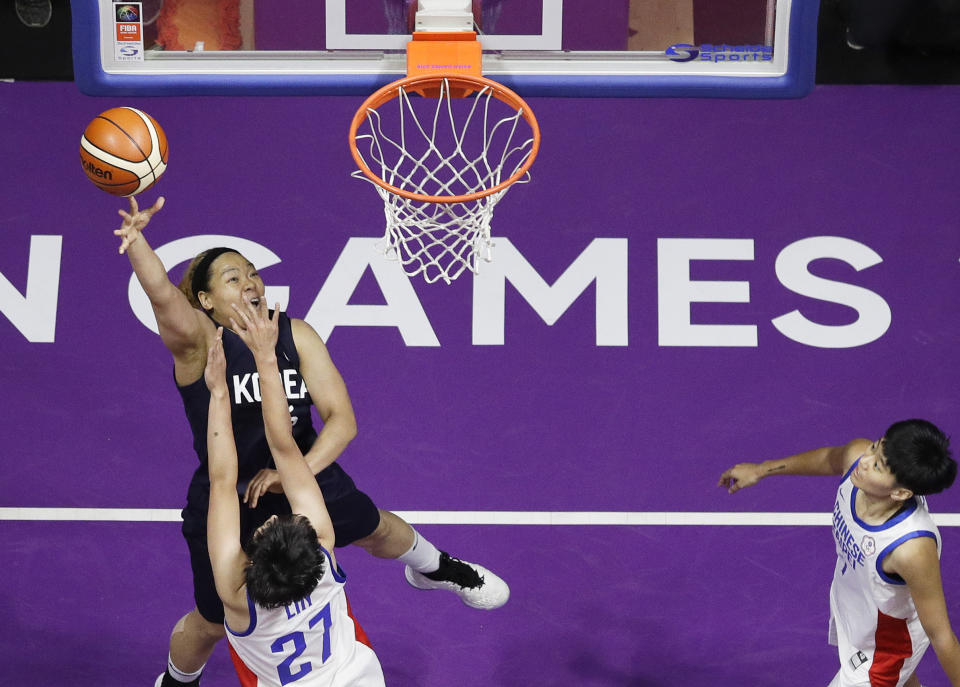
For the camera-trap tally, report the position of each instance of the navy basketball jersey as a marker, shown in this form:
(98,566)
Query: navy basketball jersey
(243,385)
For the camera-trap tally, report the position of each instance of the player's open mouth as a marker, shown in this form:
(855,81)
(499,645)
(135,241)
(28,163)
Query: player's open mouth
(255,301)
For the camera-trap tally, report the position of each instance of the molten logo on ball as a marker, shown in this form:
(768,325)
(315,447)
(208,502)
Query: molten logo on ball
(92,170)
(124,151)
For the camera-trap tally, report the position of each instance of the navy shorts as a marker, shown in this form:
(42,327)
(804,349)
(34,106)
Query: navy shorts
(353,513)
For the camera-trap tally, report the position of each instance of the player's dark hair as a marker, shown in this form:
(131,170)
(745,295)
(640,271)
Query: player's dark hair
(197,276)
(286,561)
(918,455)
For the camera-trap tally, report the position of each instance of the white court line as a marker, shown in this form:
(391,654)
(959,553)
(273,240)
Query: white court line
(480,517)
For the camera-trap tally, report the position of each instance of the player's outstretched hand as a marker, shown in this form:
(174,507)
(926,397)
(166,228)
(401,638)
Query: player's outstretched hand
(134,222)
(215,373)
(740,476)
(256,326)
(266,480)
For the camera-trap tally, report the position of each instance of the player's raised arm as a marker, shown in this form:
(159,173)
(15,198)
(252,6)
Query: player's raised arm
(829,460)
(259,331)
(223,512)
(178,322)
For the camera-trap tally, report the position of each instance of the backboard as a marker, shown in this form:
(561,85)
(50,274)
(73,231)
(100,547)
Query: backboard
(569,48)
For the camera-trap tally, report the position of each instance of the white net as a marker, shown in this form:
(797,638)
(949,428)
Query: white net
(443,164)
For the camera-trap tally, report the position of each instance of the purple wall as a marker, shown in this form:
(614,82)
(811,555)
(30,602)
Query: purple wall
(548,420)
(625,423)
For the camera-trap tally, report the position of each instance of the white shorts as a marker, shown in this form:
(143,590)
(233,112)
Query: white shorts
(893,667)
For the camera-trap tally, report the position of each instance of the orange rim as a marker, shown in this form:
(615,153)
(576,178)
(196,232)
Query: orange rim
(470,83)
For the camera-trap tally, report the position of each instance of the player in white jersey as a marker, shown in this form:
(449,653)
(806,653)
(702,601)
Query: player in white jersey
(286,614)
(887,602)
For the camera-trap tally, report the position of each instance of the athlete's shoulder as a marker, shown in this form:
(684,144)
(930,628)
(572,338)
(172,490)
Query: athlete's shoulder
(914,556)
(303,333)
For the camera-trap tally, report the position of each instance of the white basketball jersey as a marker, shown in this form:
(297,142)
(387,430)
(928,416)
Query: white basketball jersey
(311,643)
(873,620)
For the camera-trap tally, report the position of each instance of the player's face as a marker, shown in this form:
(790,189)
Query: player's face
(233,281)
(872,474)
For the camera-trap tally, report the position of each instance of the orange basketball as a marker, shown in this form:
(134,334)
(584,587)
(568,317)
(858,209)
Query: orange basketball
(124,151)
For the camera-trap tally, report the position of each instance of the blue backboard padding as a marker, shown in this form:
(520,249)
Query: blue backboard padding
(797,82)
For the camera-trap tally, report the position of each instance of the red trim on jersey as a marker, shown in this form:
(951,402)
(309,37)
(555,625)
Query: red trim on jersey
(358,631)
(247,676)
(893,647)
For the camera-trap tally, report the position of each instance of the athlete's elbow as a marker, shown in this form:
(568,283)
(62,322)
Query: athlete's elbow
(944,641)
(350,431)
(344,426)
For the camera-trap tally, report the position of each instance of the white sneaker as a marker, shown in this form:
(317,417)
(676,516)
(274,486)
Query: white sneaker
(476,586)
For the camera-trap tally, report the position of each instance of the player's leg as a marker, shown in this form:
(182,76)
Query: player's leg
(429,568)
(191,643)
(197,633)
(357,520)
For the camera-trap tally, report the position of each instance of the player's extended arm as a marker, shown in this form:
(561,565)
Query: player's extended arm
(177,321)
(223,512)
(829,460)
(259,332)
(917,563)
(329,394)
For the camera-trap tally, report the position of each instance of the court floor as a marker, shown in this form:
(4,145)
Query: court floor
(92,603)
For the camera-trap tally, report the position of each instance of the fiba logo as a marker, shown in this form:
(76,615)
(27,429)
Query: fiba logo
(127,13)
(682,52)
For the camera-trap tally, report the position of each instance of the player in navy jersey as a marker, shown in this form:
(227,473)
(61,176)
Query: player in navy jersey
(286,613)
(887,603)
(187,319)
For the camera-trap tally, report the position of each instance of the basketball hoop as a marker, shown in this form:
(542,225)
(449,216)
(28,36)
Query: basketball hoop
(441,158)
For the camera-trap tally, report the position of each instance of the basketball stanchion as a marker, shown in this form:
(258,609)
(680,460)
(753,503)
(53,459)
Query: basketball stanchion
(442,147)
(124,151)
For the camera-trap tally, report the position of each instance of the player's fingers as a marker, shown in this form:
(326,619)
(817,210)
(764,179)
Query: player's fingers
(158,205)
(240,312)
(239,328)
(134,207)
(250,495)
(257,492)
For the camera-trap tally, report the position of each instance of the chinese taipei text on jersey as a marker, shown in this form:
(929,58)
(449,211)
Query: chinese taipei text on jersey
(873,621)
(311,643)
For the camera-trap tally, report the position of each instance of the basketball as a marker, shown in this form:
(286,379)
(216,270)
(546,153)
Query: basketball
(123,151)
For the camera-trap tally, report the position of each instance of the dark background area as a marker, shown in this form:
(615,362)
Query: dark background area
(902,42)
